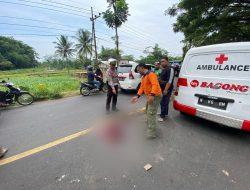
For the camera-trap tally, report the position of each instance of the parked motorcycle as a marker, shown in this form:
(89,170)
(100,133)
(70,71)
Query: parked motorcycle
(15,95)
(87,89)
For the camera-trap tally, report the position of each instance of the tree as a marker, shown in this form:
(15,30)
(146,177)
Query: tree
(153,55)
(64,48)
(84,43)
(107,53)
(128,57)
(211,21)
(16,54)
(83,61)
(116,17)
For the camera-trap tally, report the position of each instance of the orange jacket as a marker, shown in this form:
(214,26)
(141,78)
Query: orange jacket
(150,85)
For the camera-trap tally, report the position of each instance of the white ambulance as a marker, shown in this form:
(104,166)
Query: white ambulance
(214,84)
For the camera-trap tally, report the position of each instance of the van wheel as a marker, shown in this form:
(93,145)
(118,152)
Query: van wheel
(183,113)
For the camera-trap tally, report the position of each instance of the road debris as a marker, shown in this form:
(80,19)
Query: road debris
(193,174)
(60,178)
(75,181)
(225,172)
(233,181)
(147,167)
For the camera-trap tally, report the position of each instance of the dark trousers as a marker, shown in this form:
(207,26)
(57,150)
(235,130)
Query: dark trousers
(101,83)
(165,104)
(111,97)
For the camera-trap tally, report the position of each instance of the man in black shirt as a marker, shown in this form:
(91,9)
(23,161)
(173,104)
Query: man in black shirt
(166,83)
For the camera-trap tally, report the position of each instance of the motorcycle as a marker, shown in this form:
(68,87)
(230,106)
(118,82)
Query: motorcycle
(15,95)
(87,89)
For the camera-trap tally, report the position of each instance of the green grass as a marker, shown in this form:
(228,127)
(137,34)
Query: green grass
(42,83)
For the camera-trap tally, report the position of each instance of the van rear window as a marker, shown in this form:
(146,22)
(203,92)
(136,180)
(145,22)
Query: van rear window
(226,65)
(124,68)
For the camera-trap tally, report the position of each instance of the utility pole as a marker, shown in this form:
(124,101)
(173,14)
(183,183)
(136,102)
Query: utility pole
(116,33)
(92,19)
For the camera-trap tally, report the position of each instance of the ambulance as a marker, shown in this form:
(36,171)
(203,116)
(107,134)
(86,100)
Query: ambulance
(214,84)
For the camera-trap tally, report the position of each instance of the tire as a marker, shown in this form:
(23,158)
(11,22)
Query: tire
(184,114)
(85,91)
(25,99)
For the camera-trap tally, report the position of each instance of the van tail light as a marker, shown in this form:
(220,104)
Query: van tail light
(182,82)
(176,91)
(246,125)
(131,76)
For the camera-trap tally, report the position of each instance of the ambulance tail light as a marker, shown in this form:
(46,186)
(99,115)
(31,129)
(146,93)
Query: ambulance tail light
(182,82)
(246,126)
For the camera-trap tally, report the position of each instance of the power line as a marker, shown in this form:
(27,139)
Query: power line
(129,32)
(42,21)
(42,35)
(35,20)
(113,42)
(31,26)
(56,35)
(79,8)
(51,5)
(44,8)
(50,28)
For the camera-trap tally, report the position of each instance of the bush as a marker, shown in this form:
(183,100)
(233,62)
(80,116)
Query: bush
(6,65)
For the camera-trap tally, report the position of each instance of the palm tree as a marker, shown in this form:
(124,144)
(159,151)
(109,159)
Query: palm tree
(84,46)
(64,48)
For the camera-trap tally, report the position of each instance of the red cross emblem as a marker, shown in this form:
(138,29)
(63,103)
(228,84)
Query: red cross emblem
(221,59)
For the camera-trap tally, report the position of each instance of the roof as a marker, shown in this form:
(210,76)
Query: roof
(221,47)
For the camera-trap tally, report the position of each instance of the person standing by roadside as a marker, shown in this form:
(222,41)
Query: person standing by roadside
(166,83)
(151,88)
(3,151)
(99,77)
(157,69)
(113,83)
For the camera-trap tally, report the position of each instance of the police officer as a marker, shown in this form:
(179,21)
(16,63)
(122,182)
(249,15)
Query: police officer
(113,84)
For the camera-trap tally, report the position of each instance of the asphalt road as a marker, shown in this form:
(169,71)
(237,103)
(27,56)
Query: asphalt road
(190,153)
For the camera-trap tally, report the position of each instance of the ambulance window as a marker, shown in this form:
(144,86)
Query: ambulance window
(228,65)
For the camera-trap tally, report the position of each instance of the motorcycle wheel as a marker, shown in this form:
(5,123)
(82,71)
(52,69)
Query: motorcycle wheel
(84,91)
(25,99)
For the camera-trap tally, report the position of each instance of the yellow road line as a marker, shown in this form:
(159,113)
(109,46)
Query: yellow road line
(43,147)
(50,145)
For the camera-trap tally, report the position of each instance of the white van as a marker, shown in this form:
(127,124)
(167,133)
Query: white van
(214,84)
(129,79)
(128,76)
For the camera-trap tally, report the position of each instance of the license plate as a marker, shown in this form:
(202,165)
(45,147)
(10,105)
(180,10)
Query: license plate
(121,78)
(212,103)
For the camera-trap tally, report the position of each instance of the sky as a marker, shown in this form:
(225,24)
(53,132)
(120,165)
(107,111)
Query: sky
(39,27)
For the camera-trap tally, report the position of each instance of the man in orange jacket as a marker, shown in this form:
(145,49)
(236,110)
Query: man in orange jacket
(151,88)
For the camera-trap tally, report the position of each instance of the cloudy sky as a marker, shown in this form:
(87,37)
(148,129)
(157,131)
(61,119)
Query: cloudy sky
(37,22)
